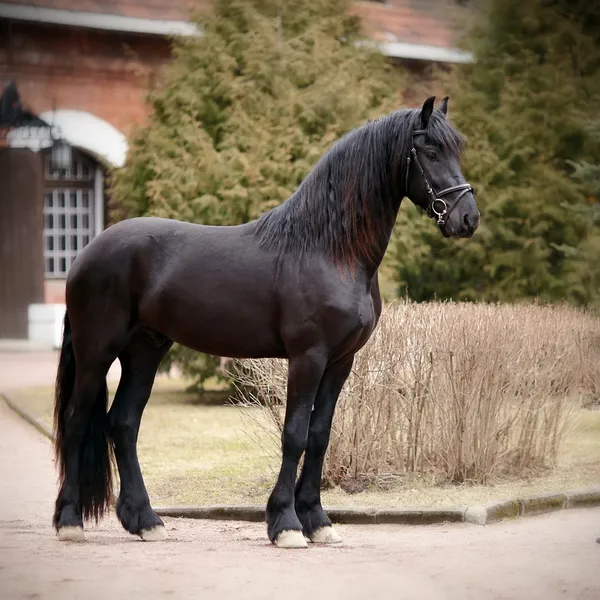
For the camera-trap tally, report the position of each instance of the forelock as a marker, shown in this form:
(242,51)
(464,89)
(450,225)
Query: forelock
(441,132)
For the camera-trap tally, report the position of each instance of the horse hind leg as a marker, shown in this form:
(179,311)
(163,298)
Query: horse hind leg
(139,363)
(83,454)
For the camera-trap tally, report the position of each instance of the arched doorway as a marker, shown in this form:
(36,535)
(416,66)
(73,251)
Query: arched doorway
(66,211)
(21,250)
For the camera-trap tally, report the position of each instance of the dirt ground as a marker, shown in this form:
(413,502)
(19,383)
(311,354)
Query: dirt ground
(547,557)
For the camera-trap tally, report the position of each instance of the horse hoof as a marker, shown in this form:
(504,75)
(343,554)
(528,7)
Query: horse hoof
(70,533)
(156,534)
(291,539)
(326,535)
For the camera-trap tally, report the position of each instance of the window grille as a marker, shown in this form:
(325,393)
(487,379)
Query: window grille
(68,216)
(80,170)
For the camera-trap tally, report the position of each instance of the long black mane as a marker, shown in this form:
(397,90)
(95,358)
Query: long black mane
(347,202)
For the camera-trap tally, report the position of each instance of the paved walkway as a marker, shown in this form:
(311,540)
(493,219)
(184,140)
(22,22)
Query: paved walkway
(547,557)
(33,369)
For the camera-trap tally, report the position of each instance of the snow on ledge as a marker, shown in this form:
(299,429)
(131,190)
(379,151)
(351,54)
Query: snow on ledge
(82,130)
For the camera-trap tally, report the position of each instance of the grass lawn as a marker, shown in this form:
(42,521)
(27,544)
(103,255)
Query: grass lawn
(196,454)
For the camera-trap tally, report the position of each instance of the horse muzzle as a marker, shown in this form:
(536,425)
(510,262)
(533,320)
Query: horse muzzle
(463,220)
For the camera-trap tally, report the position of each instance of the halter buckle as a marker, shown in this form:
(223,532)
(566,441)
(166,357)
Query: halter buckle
(439,213)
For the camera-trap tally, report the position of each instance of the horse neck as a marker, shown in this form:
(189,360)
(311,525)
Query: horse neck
(377,190)
(346,208)
(371,260)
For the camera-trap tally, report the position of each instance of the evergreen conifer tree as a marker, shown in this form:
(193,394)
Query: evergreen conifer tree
(524,107)
(584,267)
(246,111)
(248,108)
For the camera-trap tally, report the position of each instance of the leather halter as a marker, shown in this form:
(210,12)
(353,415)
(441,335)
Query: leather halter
(437,206)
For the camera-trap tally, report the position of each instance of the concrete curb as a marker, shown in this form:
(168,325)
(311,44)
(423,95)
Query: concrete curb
(253,514)
(26,416)
(352,516)
(510,508)
(478,515)
(536,504)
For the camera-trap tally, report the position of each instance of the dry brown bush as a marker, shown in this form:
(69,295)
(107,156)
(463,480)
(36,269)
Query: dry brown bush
(467,391)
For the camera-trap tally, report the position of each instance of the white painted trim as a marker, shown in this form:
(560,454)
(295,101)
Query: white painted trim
(419,51)
(45,324)
(98,201)
(422,52)
(82,130)
(81,18)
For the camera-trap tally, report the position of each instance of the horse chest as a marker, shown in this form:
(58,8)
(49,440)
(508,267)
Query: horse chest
(368,320)
(364,320)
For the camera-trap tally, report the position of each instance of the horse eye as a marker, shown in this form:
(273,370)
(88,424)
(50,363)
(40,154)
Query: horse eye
(431,155)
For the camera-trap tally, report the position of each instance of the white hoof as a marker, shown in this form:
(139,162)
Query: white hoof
(326,535)
(291,539)
(70,533)
(156,534)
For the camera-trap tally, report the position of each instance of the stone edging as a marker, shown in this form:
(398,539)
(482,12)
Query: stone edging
(355,516)
(479,515)
(532,505)
(26,416)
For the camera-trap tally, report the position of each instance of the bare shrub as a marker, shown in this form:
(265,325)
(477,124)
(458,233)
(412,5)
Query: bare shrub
(466,391)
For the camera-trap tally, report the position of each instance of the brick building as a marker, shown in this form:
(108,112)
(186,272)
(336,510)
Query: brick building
(84,67)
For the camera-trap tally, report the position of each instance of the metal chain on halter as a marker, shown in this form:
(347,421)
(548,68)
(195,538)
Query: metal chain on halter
(433,197)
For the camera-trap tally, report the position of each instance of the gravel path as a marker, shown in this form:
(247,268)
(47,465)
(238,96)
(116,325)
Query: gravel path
(547,557)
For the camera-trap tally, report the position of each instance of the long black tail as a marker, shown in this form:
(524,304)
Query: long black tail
(83,429)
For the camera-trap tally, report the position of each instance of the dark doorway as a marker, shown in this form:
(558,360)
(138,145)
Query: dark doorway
(21,237)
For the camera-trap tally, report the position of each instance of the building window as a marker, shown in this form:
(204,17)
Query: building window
(69,214)
(80,170)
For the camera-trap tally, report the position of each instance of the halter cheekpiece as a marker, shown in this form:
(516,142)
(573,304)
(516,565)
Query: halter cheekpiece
(437,207)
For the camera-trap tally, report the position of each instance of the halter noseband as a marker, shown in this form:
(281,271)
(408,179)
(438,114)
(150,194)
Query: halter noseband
(435,199)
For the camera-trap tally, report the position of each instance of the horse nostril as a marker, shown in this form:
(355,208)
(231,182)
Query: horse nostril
(467,220)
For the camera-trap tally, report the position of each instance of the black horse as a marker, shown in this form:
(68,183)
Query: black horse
(298,283)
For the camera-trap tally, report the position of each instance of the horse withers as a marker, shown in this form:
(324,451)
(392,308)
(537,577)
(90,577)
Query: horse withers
(298,283)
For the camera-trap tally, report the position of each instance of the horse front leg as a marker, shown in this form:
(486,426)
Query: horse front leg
(304,376)
(139,363)
(316,525)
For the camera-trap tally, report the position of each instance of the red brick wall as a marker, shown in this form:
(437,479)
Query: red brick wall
(104,73)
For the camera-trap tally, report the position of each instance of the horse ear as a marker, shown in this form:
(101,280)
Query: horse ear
(426,111)
(444,105)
